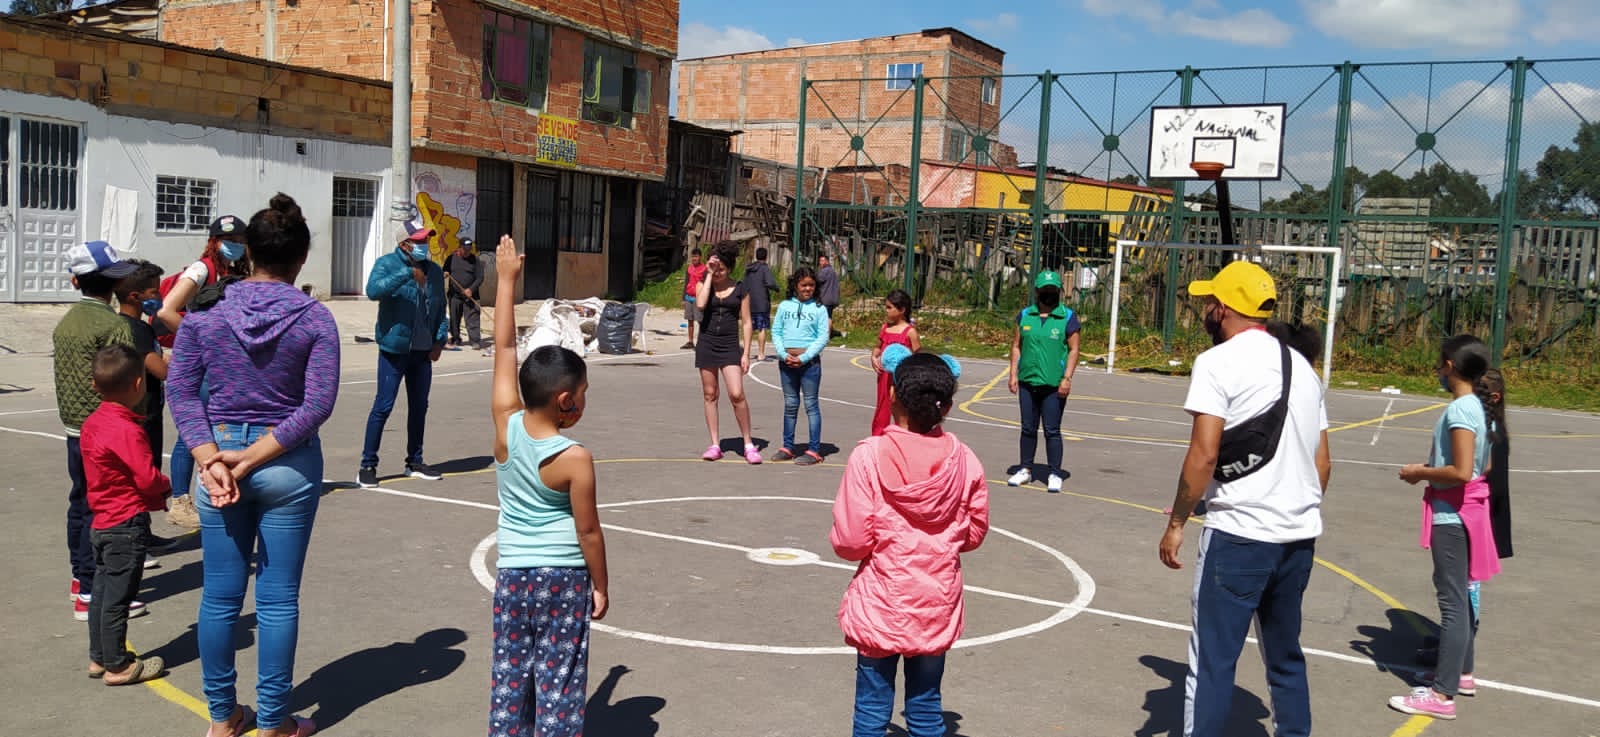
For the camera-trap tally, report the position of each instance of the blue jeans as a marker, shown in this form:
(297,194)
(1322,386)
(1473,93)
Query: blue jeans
(277,505)
(875,695)
(1040,405)
(416,370)
(80,548)
(1239,580)
(182,461)
(797,381)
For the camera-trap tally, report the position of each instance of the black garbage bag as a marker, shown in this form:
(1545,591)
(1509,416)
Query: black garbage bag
(615,329)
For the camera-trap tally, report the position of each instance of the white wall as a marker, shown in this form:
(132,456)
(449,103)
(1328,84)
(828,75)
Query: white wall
(249,169)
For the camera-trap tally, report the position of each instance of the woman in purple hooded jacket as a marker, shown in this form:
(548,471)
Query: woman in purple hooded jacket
(270,355)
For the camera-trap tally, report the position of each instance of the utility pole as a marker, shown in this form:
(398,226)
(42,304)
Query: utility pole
(400,133)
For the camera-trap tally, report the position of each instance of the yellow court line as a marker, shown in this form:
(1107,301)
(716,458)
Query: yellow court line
(1387,417)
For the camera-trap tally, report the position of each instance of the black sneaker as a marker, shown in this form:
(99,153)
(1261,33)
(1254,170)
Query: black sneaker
(367,478)
(422,471)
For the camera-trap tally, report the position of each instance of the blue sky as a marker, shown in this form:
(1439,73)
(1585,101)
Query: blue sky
(1104,35)
(1465,104)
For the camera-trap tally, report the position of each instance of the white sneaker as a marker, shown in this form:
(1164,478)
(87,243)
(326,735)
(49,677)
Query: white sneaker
(150,562)
(1053,484)
(1019,478)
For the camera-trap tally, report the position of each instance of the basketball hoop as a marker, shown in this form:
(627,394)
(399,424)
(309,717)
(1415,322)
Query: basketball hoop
(1210,171)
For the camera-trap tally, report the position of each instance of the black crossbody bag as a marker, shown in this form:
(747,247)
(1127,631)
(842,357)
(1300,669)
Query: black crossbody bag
(1248,446)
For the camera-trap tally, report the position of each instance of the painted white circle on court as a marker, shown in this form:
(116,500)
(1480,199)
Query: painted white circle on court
(1064,610)
(783,556)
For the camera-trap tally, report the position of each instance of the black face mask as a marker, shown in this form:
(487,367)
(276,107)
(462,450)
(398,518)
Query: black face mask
(1213,325)
(1049,299)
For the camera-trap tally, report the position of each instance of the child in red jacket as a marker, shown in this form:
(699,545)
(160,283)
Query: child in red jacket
(124,488)
(912,501)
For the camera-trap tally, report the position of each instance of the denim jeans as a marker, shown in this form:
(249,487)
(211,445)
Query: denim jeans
(119,569)
(1040,405)
(80,549)
(277,505)
(875,695)
(1458,624)
(1237,581)
(797,381)
(182,461)
(416,370)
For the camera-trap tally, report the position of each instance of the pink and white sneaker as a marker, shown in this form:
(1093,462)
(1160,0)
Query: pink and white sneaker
(1467,687)
(1422,701)
(713,453)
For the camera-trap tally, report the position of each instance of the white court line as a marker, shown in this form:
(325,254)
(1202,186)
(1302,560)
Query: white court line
(28,411)
(1381,419)
(480,572)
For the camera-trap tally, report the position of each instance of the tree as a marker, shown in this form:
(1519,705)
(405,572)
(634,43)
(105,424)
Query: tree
(39,7)
(1566,181)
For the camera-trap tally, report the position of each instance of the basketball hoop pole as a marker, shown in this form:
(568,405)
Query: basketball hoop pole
(1211,171)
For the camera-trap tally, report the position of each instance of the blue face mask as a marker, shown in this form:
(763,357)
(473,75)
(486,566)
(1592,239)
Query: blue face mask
(150,307)
(419,251)
(232,250)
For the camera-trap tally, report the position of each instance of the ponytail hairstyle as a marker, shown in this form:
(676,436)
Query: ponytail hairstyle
(801,274)
(278,237)
(901,301)
(1491,390)
(1468,354)
(1305,339)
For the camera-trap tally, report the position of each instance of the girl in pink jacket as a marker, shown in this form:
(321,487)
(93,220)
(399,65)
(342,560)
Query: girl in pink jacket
(911,502)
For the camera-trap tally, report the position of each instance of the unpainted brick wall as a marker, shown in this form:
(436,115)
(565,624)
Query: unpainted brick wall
(130,76)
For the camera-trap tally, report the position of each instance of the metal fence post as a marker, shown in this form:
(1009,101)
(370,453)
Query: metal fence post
(914,197)
(1041,173)
(799,179)
(1341,144)
(1169,312)
(1508,204)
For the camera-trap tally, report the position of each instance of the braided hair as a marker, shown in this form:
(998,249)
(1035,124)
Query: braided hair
(1491,390)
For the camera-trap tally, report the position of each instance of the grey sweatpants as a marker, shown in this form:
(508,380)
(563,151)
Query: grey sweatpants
(1458,625)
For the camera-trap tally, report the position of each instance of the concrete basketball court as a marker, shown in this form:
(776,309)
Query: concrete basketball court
(724,588)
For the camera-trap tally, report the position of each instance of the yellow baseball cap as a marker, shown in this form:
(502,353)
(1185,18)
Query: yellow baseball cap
(1243,286)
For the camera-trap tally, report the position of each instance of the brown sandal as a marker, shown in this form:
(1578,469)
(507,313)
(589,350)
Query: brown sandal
(142,670)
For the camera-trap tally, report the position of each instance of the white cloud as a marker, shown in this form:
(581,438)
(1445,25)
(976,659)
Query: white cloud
(1202,18)
(1567,20)
(696,40)
(1437,24)
(999,25)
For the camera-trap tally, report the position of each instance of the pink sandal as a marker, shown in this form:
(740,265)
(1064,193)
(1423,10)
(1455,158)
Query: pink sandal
(243,720)
(752,455)
(303,727)
(713,453)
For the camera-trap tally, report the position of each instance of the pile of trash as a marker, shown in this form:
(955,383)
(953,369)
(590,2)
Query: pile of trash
(581,326)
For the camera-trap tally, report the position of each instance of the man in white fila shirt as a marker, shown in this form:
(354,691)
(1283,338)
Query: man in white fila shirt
(1262,482)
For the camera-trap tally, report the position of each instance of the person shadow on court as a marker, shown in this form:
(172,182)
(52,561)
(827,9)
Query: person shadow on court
(1394,649)
(1165,704)
(630,717)
(340,688)
(952,727)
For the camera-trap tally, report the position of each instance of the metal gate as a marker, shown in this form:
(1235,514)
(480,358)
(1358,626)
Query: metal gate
(39,208)
(539,272)
(355,201)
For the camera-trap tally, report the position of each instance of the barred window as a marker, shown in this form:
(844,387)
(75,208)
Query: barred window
(184,205)
(582,206)
(354,198)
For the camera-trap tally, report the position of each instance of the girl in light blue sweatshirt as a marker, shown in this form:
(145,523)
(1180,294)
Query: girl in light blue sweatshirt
(799,333)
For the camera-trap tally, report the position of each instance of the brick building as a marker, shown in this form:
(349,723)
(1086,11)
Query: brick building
(758,93)
(535,118)
(113,137)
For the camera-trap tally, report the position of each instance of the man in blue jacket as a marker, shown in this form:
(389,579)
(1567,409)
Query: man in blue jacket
(409,289)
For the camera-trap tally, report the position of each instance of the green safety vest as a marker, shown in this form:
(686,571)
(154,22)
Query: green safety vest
(1044,345)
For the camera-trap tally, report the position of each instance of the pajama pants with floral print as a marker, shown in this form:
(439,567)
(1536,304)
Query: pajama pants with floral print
(541,652)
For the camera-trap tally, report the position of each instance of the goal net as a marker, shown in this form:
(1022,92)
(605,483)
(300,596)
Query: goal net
(1307,279)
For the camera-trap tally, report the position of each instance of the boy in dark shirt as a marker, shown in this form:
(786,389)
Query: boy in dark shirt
(124,487)
(139,297)
(759,283)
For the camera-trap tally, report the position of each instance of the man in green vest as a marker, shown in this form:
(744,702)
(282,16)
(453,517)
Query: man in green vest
(1044,355)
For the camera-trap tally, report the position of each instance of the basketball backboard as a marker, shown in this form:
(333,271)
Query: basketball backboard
(1247,139)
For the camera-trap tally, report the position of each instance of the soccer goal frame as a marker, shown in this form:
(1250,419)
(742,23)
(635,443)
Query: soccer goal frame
(1245,252)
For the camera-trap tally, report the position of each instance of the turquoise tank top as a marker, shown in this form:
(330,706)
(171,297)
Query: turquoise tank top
(536,527)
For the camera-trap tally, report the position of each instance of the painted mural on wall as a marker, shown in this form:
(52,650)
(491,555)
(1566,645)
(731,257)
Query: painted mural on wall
(447,199)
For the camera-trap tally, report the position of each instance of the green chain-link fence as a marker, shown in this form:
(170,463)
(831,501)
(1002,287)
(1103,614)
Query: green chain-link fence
(1465,197)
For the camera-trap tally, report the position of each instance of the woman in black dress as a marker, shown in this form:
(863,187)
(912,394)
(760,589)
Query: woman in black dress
(724,346)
